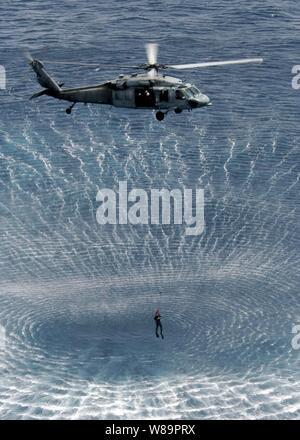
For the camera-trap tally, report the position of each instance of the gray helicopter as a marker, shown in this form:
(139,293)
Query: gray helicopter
(148,90)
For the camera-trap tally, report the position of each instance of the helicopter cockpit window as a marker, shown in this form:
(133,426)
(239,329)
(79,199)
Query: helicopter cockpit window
(179,94)
(195,90)
(188,93)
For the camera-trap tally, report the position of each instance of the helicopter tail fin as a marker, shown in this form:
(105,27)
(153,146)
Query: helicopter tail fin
(44,79)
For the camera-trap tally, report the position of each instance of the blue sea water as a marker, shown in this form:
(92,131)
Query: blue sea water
(76,298)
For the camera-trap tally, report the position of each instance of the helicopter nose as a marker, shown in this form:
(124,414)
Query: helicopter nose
(204,100)
(200,101)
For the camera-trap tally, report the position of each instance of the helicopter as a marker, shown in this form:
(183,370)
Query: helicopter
(151,89)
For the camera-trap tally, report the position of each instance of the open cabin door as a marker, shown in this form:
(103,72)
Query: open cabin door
(144,97)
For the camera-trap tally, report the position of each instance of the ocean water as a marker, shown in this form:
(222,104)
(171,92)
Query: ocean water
(76,298)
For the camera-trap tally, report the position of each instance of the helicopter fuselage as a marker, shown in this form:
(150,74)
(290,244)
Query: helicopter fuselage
(138,91)
(162,93)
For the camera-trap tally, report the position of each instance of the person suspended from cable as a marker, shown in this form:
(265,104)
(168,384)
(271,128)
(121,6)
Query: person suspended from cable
(157,318)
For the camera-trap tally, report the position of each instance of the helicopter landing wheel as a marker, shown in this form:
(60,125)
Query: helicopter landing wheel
(178,111)
(160,116)
(69,109)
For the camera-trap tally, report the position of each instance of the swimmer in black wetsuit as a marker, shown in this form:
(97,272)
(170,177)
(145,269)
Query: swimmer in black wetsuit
(157,318)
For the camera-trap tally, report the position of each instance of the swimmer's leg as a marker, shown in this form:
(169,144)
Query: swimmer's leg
(161,331)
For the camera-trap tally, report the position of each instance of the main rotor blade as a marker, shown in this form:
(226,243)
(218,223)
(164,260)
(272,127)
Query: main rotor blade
(74,63)
(94,65)
(151,51)
(214,63)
